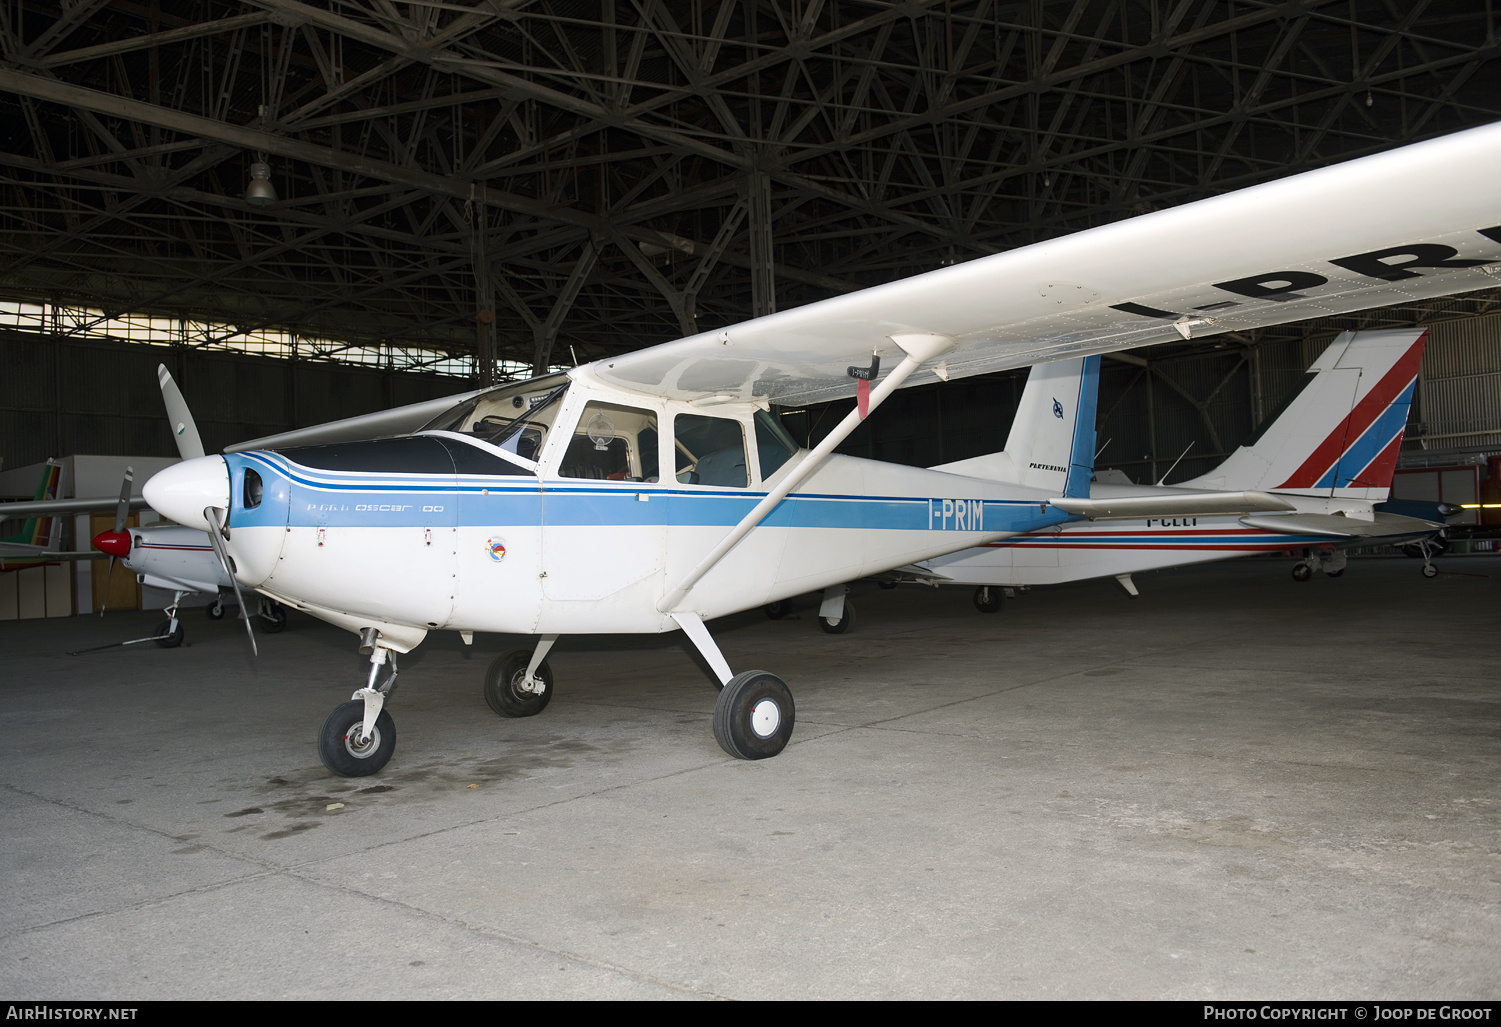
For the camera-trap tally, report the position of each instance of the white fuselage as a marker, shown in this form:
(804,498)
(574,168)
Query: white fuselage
(414,546)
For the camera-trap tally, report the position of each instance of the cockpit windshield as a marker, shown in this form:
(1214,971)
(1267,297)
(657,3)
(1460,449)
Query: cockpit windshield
(515,417)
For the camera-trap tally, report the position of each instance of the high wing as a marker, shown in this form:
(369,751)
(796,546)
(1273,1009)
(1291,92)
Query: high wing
(1411,223)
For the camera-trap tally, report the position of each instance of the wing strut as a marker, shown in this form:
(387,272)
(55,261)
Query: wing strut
(919,350)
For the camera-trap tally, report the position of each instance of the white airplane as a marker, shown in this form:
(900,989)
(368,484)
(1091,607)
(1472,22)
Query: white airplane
(1340,430)
(183,560)
(654,491)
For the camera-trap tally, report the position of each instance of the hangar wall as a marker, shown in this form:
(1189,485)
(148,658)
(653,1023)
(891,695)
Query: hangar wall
(62,395)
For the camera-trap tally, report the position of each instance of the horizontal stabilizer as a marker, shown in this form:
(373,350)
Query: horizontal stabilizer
(1186,504)
(1335,526)
(912,572)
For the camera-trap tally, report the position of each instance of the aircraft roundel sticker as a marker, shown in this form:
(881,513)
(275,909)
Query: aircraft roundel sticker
(497,549)
(1057,409)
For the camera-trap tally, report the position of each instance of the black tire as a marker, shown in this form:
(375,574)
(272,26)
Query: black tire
(888,585)
(173,640)
(1429,571)
(754,716)
(274,619)
(1335,574)
(353,760)
(988,599)
(776,610)
(1302,572)
(1413,550)
(215,610)
(504,677)
(846,622)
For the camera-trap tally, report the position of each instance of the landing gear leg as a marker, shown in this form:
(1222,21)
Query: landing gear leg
(754,715)
(836,614)
(169,633)
(519,683)
(1428,548)
(359,736)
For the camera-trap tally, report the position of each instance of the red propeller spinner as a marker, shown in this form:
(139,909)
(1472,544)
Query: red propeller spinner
(115,543)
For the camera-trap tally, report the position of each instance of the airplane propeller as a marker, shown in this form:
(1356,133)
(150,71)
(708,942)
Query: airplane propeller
(190,447)
(117,542)
(184,429)
(216,537)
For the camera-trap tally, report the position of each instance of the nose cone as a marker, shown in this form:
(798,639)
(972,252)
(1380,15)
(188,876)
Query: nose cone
(183,490)
(115,543)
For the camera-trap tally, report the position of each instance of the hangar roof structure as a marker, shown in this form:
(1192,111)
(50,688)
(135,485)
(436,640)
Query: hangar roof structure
(488,183)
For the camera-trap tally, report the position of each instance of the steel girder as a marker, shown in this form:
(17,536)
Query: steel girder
(612,174)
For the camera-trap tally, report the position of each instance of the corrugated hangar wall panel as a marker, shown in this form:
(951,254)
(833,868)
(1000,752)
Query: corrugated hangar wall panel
(1460,390)
(28,382)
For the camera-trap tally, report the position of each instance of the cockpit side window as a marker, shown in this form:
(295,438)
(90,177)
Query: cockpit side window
(774,447)
(710,451)
(612,443)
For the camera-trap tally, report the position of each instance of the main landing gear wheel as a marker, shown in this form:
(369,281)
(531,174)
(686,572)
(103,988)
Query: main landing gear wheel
(842,625)
(273,617)
(776,610)
(504,681)
(987,599)
(215,610)
(754,715)
(166,637)
(1302,572)
(343,747)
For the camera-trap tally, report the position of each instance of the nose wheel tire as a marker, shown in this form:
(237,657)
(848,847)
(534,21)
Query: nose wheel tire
(1302,572)
(1430,571)
(215,610)
(845,623)
(274,618)
(754,716)
(987,599)
(503,683)
(166,637)
(776,610)
(345,750)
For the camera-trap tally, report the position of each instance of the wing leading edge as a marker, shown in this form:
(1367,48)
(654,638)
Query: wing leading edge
(1420,221)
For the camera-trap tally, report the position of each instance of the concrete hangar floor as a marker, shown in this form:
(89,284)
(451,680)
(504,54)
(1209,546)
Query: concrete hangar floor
(1233,786)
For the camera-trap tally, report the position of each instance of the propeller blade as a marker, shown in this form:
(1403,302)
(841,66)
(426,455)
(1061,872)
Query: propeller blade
(216,527)
(122,509)
(184,430)
(104,603)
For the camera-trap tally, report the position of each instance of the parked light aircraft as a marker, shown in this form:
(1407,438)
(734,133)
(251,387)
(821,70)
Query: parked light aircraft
(1341,429)
(654,491)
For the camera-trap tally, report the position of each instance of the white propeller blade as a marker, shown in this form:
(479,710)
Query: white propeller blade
(184,431)
(215,518)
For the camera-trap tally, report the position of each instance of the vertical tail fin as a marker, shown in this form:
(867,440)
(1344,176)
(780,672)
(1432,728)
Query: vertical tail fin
(1339,433)
(1052,440)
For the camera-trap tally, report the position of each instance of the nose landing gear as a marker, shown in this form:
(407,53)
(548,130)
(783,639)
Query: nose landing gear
(359,736)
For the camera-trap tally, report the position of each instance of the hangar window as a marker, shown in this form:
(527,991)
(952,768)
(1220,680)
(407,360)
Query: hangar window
(612,443)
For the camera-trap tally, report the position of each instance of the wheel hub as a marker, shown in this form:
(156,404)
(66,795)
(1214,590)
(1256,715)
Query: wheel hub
(359,745)
(766,717)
